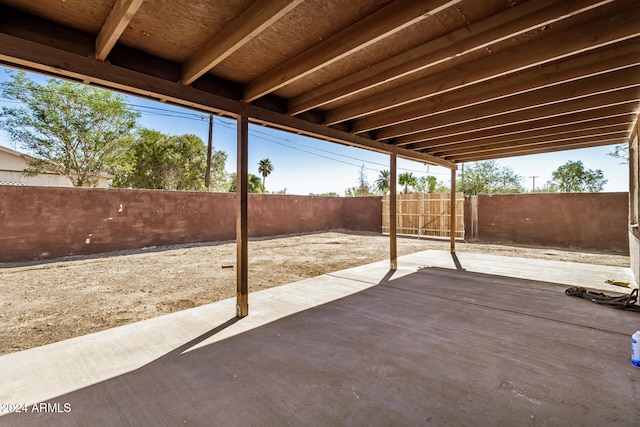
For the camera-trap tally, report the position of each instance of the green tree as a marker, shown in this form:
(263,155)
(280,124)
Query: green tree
(76,130)
(621,152)
(426,184)
(170,162)
(441,187)
(572,177)
(383,183)
(265,168)
(488,177)
(254,184)
(407,180)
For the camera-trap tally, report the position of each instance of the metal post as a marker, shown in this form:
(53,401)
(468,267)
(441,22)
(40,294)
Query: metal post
(242,237)
(392,213)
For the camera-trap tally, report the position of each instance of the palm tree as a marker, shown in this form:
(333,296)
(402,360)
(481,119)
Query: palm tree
(383,183)
(265,168)
(407,180)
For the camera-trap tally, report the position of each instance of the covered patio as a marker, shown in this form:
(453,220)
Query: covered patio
(437,338)
(467,340)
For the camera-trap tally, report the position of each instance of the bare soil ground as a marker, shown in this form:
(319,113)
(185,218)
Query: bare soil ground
(45,302)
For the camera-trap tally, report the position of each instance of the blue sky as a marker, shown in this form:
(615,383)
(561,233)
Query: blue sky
(305,165)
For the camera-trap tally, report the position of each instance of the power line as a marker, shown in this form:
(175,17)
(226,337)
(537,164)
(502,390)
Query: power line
(257,133)
(196,116)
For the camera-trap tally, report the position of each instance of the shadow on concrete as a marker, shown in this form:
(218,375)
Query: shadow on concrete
(456,261)
(437,346)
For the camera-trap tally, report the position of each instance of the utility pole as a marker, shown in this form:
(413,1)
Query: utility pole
(534,182)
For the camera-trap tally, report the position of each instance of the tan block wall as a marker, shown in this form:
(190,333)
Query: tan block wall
(570,220)
(47,222)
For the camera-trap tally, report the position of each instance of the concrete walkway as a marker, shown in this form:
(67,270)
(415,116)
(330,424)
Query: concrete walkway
(470,340)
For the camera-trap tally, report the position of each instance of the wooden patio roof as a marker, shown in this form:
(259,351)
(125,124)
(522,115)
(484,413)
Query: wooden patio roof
(438,81)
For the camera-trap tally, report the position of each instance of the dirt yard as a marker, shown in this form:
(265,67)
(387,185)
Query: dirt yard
(50,301)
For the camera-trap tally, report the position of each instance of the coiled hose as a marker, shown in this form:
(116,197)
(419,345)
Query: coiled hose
(623,302)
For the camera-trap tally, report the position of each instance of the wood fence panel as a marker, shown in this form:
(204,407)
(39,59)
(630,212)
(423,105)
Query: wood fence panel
(425,214)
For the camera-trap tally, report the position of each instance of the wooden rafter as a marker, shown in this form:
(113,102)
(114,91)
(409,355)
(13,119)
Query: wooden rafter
(621,26)
(383,23)
(258,17)
(532,135)
(602,83)
(589,118)
(625,96)
(579,67)
(114,26)
(495,28)
(548,148)
(583,135)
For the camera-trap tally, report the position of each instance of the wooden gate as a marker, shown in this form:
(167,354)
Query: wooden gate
(425,214)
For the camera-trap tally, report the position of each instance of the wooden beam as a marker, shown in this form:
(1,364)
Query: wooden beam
(601,61)
(634,129)
(542,149)
(114,26)
(585,118)
(385,22)
(477,35)
(207,172)
(31,55)
(634,182)
(533,136)
(393,196)
(242,234)
(577,137)
(258,17)
(608,99)
(452,221)
(533,100)
(293,124)
(574,41)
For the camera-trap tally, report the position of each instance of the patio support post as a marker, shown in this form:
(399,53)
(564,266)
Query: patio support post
(452,222)
(242,236)
(392,212)
(634,200)
(207,173)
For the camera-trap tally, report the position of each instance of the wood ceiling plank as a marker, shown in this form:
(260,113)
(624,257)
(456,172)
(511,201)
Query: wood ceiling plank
(548,148)
(585,118)
(608,99)
(514,21)
(625,55)
(537,99)
(614,130)
(259,16)
(380,24)
(114,26)
(530,134)
(617,28)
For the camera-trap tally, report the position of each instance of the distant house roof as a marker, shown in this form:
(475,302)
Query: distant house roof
(12,166)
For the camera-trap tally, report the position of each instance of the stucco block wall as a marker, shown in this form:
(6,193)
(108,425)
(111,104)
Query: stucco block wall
(47,222)
(578,220)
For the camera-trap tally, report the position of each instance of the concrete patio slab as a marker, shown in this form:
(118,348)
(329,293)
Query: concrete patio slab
(470,340)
